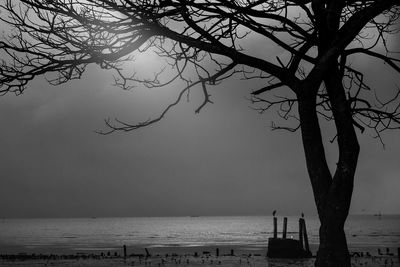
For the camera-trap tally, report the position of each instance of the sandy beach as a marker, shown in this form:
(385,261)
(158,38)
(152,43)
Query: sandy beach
(181,256)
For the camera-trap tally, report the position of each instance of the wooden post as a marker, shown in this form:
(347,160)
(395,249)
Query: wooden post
(275,227)
(301,232)
(147,253)
(217,252)
(284,227)
(124,252)
(233,254)
(398,253)
(306,245)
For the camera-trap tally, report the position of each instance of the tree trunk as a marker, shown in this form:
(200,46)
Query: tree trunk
(332,251)
(332,193)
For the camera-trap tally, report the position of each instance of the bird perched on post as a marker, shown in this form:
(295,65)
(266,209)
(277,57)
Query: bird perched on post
(273,213)
(302,215)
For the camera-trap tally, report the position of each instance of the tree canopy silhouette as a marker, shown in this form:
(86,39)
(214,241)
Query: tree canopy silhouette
(204,43)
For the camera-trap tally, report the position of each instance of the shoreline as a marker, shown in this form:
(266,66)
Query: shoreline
(136,248)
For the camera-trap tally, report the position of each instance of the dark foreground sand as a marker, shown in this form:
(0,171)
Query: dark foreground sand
(178,256)
(191,261)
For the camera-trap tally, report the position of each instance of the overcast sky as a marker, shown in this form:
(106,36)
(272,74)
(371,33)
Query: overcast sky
(223,161)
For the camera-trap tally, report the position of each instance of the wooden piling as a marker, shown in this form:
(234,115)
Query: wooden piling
(217,252)
(301,232)
(398,253)
(306,245)
(147,253)
(124,251)
(284,228)
(275,227)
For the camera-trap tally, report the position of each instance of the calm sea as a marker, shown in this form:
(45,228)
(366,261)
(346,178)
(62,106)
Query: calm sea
(85,234)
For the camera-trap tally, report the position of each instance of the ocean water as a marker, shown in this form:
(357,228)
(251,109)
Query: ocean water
(85,234)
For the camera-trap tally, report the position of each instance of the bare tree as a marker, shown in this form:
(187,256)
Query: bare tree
(203,42)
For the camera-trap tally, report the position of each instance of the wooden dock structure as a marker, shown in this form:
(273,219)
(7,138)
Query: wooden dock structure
(289,248)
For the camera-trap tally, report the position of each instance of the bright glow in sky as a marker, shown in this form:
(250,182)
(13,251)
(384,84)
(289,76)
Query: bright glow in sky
(223,161)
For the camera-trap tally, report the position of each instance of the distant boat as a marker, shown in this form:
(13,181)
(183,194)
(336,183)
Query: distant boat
(378,215)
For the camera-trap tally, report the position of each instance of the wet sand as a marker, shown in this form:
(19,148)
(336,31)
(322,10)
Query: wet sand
(180,256)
